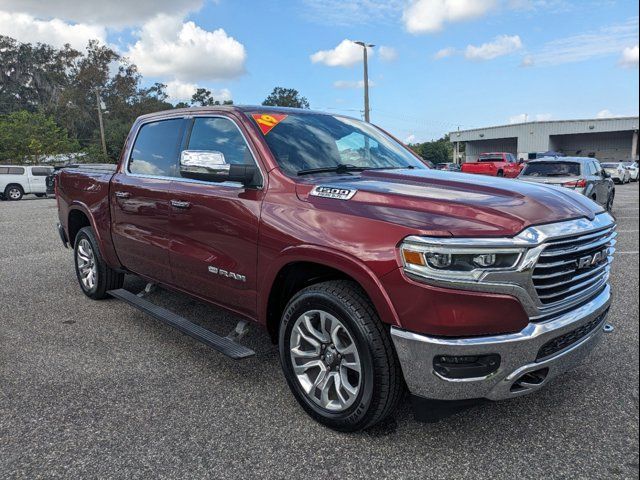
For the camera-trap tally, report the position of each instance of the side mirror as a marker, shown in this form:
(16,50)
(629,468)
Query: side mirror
(211,166)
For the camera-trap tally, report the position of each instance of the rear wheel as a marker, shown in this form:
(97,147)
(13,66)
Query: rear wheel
(338,358)
(13,192)
(95,277)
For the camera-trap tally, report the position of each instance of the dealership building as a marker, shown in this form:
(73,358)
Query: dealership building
(607,139)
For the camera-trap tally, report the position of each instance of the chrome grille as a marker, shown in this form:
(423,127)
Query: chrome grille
(574,267)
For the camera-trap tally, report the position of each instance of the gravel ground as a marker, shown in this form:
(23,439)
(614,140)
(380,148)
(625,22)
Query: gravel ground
(97,389)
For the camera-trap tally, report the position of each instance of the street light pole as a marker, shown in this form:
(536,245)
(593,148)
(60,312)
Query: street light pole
(366,79)
(101,124)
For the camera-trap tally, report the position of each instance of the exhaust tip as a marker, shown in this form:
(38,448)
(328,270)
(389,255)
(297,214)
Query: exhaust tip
(608,328)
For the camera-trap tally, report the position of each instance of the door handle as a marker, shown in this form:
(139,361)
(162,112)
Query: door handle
(123,194)
(180,204)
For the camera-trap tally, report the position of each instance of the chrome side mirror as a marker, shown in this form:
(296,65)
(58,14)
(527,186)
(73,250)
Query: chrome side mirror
(210,165)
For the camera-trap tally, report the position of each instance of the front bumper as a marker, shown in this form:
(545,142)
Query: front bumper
(519,354)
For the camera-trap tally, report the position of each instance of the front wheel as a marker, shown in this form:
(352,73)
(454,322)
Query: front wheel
(95,277)
(338,357)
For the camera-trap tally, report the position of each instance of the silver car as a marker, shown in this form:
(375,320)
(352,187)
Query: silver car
(617,171)
(581,174)
(632,168)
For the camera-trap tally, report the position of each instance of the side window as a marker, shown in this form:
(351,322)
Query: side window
(220,134)
(4,170)
(41,171)
(155,151)
(16,171)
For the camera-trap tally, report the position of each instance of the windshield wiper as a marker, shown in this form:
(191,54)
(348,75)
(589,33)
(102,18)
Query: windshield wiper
(342,168)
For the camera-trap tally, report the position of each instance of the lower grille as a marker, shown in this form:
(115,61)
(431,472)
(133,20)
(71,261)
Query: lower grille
(573,267)
(565,341)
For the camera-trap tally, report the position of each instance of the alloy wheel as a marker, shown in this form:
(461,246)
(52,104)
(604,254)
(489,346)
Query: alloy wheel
(86,261)
(325,360)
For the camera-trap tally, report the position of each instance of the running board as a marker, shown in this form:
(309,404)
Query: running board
(221,344)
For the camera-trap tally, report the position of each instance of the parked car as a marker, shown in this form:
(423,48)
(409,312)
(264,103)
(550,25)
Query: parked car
(370,275)
(451,167)
(618,173)
(17,181)
(496,164)
(632,168)
(581,174)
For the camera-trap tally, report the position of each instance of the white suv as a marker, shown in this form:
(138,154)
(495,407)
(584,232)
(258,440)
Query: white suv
(17,181)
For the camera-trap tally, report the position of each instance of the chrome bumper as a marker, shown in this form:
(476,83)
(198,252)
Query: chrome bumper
(518,353)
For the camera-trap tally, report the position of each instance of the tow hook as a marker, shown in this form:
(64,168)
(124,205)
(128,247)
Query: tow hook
(608,328)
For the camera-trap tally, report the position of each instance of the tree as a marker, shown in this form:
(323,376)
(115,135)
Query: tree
(286,97)
(26,136)
(438,151)
(204,98)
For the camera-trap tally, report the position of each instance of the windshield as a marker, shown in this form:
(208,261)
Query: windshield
(307,142)
(552,169)
(610,165)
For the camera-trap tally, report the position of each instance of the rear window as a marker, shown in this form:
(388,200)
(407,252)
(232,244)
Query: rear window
(490,158)
(609,165)
(552,169)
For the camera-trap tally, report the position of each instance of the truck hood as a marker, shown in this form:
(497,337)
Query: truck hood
(450,204)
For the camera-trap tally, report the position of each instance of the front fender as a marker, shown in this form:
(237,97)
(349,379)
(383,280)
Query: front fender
(337,260)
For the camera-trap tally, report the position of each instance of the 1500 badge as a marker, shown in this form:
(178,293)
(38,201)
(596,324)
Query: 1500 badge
(226,273)
(333,192)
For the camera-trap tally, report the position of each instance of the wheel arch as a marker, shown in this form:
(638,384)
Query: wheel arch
(300,267)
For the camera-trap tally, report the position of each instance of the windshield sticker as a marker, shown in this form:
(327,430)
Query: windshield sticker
(266,121)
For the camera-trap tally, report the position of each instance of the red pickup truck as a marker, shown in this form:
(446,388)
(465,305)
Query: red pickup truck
(372,272)
(496,164)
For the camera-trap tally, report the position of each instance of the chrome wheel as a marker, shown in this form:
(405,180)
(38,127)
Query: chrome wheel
(14,193)
(86,261)
(325,360)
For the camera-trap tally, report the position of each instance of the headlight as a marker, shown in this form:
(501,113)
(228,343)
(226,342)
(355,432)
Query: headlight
(456,263)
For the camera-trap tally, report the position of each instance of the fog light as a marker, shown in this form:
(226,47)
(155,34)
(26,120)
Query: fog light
(466,366)
(485,259)
(438,260)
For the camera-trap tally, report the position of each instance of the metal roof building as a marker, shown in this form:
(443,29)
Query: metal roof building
(606,139)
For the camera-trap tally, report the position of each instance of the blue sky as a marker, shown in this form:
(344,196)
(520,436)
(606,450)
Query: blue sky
(445,63)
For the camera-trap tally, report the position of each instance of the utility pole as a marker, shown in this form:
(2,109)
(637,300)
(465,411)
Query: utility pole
(99,105)
(366,79)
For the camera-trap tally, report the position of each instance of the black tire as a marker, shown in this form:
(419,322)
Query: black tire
(41,195)
(500,173)
(610,200)
(105,278)
(13,193)
(382,383)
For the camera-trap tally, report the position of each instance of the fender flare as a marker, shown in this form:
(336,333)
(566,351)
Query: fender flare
(337,260)
(106,252)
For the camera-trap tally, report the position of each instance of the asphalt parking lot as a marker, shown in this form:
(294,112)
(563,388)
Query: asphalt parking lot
(98,390)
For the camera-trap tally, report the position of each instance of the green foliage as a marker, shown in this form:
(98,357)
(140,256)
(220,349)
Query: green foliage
(202,97)
(438,151)
(26,136)
(286,97)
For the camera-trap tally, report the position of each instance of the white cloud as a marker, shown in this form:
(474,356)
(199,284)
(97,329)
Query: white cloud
(388,54)
(527,61)
(444,53)
(630,57)
(609,40)
(427,16)
(346,54)
(410,139)
(108,13)
(27,29)
(186,52)
(523,117)
(606,113)
(343,84)
(501,45)
(180,91)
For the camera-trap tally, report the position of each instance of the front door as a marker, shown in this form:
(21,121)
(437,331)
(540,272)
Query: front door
(139,198)
(214,226)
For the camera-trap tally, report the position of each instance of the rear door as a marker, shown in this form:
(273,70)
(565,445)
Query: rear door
(214,226)
(38,179)
(139,196)
(601,184)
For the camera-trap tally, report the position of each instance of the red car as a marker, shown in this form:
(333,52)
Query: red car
(371,272)
(496,164)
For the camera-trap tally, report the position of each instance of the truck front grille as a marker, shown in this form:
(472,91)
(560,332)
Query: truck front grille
(571,268)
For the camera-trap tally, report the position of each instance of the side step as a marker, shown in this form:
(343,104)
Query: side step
(221,344)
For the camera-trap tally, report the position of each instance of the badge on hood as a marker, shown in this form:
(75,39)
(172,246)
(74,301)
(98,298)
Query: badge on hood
(333,192)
